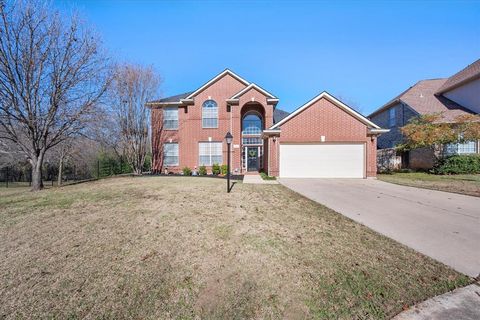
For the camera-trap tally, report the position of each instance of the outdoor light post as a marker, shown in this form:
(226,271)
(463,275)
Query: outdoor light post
(228,139)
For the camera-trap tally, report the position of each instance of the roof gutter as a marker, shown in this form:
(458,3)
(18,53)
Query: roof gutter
(375,131)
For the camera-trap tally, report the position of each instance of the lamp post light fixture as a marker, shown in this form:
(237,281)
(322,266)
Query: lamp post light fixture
(228,139)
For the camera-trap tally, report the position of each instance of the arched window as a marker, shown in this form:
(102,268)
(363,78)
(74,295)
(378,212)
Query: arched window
(252,124)
(209,114)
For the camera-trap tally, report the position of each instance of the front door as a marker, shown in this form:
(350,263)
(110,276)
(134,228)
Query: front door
(252,159)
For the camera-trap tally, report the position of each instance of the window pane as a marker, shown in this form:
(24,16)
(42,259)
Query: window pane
(461,148)
(252,140)
(209,153)
(204,161)
(467,147)
(252,124)
(210,122)
(170,118)
(170,154)
(391,117)
(210,114)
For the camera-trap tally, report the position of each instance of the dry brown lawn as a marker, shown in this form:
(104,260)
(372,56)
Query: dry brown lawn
(181,248)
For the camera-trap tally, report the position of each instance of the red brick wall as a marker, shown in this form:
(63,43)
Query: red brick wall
(190,131)
(324,118)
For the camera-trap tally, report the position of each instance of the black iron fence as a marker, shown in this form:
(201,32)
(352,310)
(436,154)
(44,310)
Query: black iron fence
(20,175)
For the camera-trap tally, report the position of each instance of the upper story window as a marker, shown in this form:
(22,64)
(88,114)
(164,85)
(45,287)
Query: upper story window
(252,124)
(392,117)
(170,118)
(210,114)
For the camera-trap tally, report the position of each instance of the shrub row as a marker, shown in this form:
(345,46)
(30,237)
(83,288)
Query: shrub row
(202,170)
(459,164)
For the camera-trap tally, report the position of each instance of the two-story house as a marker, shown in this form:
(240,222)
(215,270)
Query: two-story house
(450,97)
(322,138)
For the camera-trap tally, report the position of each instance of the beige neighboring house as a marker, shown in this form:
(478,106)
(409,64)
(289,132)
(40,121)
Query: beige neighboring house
(453,96)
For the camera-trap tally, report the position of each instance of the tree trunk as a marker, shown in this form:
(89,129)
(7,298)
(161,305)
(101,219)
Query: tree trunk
(37,183)
(60,171)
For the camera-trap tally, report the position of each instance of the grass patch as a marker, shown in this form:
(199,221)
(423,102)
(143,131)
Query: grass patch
(468,184)
(266,176)
(180,247)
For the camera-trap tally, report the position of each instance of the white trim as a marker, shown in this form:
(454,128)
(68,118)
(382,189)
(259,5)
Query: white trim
(378,130)
(158,103)
(335,101)
(225,72)
(253,85)
(186,101)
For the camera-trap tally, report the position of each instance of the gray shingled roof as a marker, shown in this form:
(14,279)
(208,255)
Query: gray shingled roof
(175,98)
(468,74)
(279,115)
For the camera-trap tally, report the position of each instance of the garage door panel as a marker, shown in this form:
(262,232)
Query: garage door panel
(322,160)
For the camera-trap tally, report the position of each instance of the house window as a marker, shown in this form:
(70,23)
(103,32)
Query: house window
(170,154)
(210,114)
(252,141)
(170,118)
(466,147)
(391,117)
(252,124)
(209,153)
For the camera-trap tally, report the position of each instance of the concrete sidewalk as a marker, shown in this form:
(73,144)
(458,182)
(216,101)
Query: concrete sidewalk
(462,303)
(442,225)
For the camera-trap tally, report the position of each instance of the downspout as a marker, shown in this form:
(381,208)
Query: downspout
(268,155)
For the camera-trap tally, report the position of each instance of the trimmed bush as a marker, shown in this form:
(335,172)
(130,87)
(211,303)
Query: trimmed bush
(202,171)
(216,168)
(187,171)
(224,169)
(460,164)
(266,176)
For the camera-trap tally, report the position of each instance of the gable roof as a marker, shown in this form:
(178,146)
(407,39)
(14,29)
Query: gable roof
(421,98)
(333,100)
(469,73)
(250,86)
(279,115)
(175,98)
(214,79)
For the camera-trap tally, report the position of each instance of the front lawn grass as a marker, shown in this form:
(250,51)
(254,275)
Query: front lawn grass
(181,247)
(468,184)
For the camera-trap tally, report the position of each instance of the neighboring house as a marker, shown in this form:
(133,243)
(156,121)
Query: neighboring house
(323,138)
(454,96)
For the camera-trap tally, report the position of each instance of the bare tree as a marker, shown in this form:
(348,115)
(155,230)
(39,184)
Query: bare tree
(133,87)
(52,77)
(9,153)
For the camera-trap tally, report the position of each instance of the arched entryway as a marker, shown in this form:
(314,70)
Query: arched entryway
(253,123)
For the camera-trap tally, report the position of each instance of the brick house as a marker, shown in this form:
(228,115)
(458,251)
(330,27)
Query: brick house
(322,138)
(451,97)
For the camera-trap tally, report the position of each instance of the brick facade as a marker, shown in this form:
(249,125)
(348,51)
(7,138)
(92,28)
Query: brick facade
(403,113)
(190,131)
(323,118)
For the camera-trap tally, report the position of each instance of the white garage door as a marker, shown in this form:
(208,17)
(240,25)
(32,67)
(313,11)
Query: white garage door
(322,160)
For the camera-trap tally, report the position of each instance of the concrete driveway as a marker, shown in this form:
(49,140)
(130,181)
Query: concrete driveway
(442,225)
